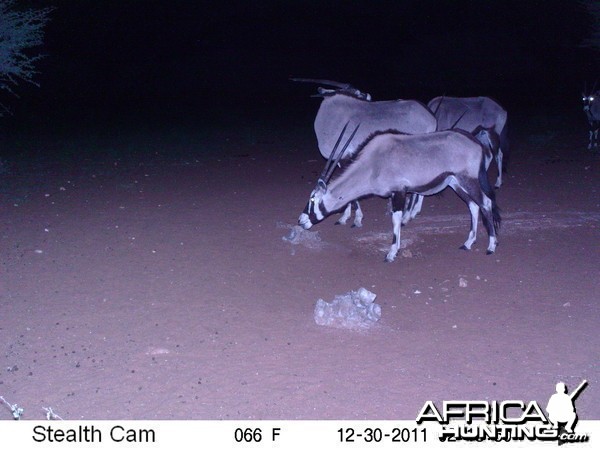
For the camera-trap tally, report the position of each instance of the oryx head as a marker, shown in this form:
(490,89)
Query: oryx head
(314,212)
(589,98)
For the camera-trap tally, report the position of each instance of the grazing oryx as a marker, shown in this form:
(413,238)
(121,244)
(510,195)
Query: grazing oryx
(591,107)
(469,113)
(393,164)
(348,104)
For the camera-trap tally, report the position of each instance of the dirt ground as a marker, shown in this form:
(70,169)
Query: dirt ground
(144,275)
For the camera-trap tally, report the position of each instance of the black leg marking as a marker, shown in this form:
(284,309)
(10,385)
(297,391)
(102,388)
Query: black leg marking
(398,204)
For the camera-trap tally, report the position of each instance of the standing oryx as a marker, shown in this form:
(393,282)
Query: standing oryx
(348,104)
(393,164)
(591,107)
(469,113)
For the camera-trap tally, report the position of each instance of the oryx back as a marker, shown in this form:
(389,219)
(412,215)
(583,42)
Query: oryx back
(406,116)
(468,113)
(390,162)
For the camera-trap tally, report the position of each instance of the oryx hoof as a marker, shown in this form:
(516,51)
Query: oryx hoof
(464,247)
(489,252)
(357,225)
(340,223)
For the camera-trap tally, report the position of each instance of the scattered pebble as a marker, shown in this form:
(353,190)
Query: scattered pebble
(462,282)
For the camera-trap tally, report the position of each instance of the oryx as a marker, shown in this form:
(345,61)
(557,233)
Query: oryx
(394,164)
(346,103)
(591,107)
(468,114)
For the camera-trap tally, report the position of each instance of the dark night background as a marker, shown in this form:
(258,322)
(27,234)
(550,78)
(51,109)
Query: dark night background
(124,62)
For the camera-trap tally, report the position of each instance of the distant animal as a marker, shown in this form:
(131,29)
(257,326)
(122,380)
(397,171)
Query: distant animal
(344,103)
(591,107)
(392,164)
(469,113)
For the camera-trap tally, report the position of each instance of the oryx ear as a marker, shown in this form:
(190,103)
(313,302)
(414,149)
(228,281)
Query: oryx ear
(322,184)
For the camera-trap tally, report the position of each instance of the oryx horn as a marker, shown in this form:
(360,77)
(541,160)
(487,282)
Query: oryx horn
(331,155)
(335,162)
(458,120)
(437,108)
(336,84)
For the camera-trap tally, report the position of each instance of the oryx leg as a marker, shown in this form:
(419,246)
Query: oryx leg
(414,203)
(593,138)
(418,205)
(358,215)
(499,163)
(488,221)
(398,204)
(345,216)
(467,196)
(409,204)
(474,210)
(472,194)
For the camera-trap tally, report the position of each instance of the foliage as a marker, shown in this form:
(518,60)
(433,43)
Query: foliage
(20,31)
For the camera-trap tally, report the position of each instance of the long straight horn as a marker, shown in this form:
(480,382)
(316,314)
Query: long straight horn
(336,84)
(332,155)
(337,159)
(438,106)
(594,88)
(456,123)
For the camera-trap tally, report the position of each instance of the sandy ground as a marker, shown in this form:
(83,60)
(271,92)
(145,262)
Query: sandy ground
(144,276)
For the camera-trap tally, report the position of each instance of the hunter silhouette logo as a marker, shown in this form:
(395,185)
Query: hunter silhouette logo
(508,420)
(562,413)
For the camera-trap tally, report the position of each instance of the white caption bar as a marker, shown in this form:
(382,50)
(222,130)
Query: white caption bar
(272,434)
